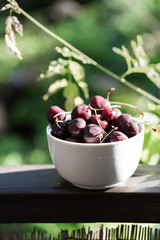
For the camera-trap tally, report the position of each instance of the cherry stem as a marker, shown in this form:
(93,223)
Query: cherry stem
(146,123)
(108,94)
(115,106)
(98,121)
(107,134)
(61,113)
(95,109)
(57,122)
(125,104)
(142,116)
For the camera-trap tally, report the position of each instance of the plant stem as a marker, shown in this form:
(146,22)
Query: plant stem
(93,62)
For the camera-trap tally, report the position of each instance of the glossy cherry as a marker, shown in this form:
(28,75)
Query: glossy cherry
(92,134)
(121,118)
(130,128)
(76,127)
(117,136)
(99,102)
(110,114)
(53,111)
(81,111)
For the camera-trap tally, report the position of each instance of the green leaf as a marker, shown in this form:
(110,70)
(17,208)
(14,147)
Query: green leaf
(78,73)
(139,52)
(71,94)
(84,87)
(149,71)
(125,53)
(140,63)
(153,75)
(54,87)
(66,52)
(57,67)
(6,7)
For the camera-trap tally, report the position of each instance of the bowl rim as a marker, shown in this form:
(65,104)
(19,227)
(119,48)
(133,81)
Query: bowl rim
(48,131)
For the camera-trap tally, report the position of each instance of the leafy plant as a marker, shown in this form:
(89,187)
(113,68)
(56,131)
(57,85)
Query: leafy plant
(73,78)
(138,64)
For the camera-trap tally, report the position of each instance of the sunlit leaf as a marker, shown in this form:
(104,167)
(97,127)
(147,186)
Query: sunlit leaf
(10,35)
(140,63)
(153,75)
(149,71)
(139,52)
(57,67)
(84,87)
(17,25)
(66,52)
(79,74)
(12,47)
(9,30)
(78,100)
(71,92)
(76,70)
(6,7)
(54,87)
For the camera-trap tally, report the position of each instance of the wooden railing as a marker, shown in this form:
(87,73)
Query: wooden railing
(37,194)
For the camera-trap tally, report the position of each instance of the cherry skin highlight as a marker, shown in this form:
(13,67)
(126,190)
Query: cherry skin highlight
(76,127)
(117,136)
(92,134)
(97,120)
(121,118)
(110,114)
(81,111)
(54,110)
(99,102)
(130,128)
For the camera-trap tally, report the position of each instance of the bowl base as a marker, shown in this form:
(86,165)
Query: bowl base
(98,187)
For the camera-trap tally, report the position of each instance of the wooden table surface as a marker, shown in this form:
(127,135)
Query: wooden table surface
(36,193)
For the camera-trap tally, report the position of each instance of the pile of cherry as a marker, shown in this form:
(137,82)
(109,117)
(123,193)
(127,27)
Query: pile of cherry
(98,122)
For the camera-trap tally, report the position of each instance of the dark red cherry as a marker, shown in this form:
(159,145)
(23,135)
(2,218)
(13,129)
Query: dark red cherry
(97,120)
(54,110)
(99,102)
(104,124)
(117,136)
(92,134)
(130,128)
(94,119)
(76,127)
(121,118)
(81,111)
(110,114)
(59,130)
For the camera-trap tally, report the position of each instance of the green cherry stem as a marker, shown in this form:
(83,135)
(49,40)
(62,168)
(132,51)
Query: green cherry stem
(107,134)
(61,113)
(125,104)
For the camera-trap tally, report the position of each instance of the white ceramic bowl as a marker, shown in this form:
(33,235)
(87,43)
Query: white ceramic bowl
(96,166)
